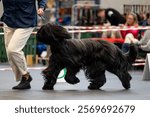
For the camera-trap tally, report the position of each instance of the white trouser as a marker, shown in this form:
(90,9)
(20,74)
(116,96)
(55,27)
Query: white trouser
(130,39)
(15,41)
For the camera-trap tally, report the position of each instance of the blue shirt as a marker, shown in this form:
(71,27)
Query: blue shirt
(21,13)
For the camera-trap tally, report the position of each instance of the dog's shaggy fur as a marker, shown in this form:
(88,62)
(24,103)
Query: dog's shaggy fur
(94,57)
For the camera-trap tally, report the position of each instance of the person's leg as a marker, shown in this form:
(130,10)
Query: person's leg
(15,53)
(128,40)
(125,47)
(8,33)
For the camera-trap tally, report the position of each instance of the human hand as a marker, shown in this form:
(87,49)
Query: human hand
(121,25)
(107,24)
(40,11)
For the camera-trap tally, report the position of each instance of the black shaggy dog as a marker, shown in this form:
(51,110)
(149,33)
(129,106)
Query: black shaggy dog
(94,57)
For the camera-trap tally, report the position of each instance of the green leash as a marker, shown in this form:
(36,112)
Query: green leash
(62,73)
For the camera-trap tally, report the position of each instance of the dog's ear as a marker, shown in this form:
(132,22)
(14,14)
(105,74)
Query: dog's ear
(52,33)
(43,35)
(60,32)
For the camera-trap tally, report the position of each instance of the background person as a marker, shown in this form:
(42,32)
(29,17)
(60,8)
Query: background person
(130,35)
(144,43)
(112,15)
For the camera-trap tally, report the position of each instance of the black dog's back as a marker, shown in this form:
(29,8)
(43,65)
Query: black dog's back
(90,50)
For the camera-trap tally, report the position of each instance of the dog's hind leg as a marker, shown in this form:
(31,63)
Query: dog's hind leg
(97,80)
(95,72)
(123,76)
(71,75)
(125,79)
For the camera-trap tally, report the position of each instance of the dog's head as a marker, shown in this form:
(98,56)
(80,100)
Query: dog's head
(50,33)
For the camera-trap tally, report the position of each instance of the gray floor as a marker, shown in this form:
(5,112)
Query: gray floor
(112,90)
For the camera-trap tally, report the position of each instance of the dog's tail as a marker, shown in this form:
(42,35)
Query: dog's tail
(132,54)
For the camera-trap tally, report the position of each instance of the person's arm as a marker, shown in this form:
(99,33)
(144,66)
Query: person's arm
(42,3)
(143,41)
(41,6)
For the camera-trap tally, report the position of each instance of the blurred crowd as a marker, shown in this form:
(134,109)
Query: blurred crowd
(111,17)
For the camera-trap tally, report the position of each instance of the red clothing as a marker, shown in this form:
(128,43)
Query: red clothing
(134,32)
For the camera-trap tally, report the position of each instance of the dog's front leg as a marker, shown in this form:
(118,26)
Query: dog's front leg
(50,76)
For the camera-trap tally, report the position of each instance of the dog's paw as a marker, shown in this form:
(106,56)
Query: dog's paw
(126,85)
(72,80)
(126,82)
(92,87)
(47,86)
